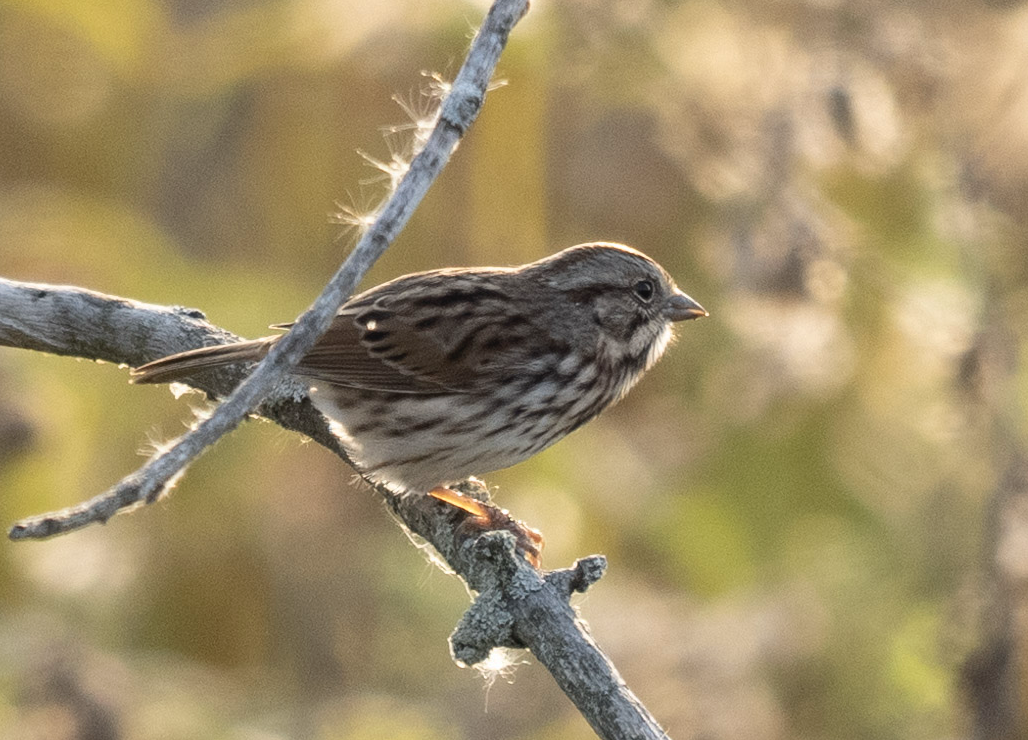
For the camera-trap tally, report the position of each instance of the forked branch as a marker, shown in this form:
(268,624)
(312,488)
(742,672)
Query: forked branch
(517,605)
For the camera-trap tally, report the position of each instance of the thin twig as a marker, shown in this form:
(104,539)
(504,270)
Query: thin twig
(457,112)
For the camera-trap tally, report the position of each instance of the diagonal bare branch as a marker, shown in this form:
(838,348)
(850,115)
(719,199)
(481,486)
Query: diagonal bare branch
(458,111)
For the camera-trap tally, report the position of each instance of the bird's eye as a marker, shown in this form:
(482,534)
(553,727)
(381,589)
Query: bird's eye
(643,290)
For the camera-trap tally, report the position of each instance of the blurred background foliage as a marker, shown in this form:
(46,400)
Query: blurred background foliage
(815,508)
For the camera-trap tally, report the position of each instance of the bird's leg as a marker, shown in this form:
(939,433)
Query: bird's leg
(483,516)
(471,505)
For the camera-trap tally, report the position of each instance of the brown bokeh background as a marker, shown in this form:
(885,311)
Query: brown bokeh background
(815,508)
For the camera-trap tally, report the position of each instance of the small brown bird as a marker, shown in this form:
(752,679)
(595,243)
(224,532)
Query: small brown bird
(439,375)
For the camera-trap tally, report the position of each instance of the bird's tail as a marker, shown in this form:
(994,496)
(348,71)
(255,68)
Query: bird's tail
(185,364)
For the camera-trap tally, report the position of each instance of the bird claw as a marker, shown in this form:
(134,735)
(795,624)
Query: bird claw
(484,517)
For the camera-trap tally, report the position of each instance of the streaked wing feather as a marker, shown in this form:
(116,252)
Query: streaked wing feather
(427,333)
(341,358)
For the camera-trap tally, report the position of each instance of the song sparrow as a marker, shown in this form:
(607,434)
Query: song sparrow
(439,375)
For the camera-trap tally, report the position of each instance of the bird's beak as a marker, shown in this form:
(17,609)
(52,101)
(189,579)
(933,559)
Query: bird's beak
(680,307)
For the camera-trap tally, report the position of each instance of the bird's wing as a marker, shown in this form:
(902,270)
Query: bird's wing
(425,341)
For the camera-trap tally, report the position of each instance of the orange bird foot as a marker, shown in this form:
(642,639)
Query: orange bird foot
(486,517)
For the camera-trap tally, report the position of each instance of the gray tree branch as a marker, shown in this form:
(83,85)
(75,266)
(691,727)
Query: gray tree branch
(517,606)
